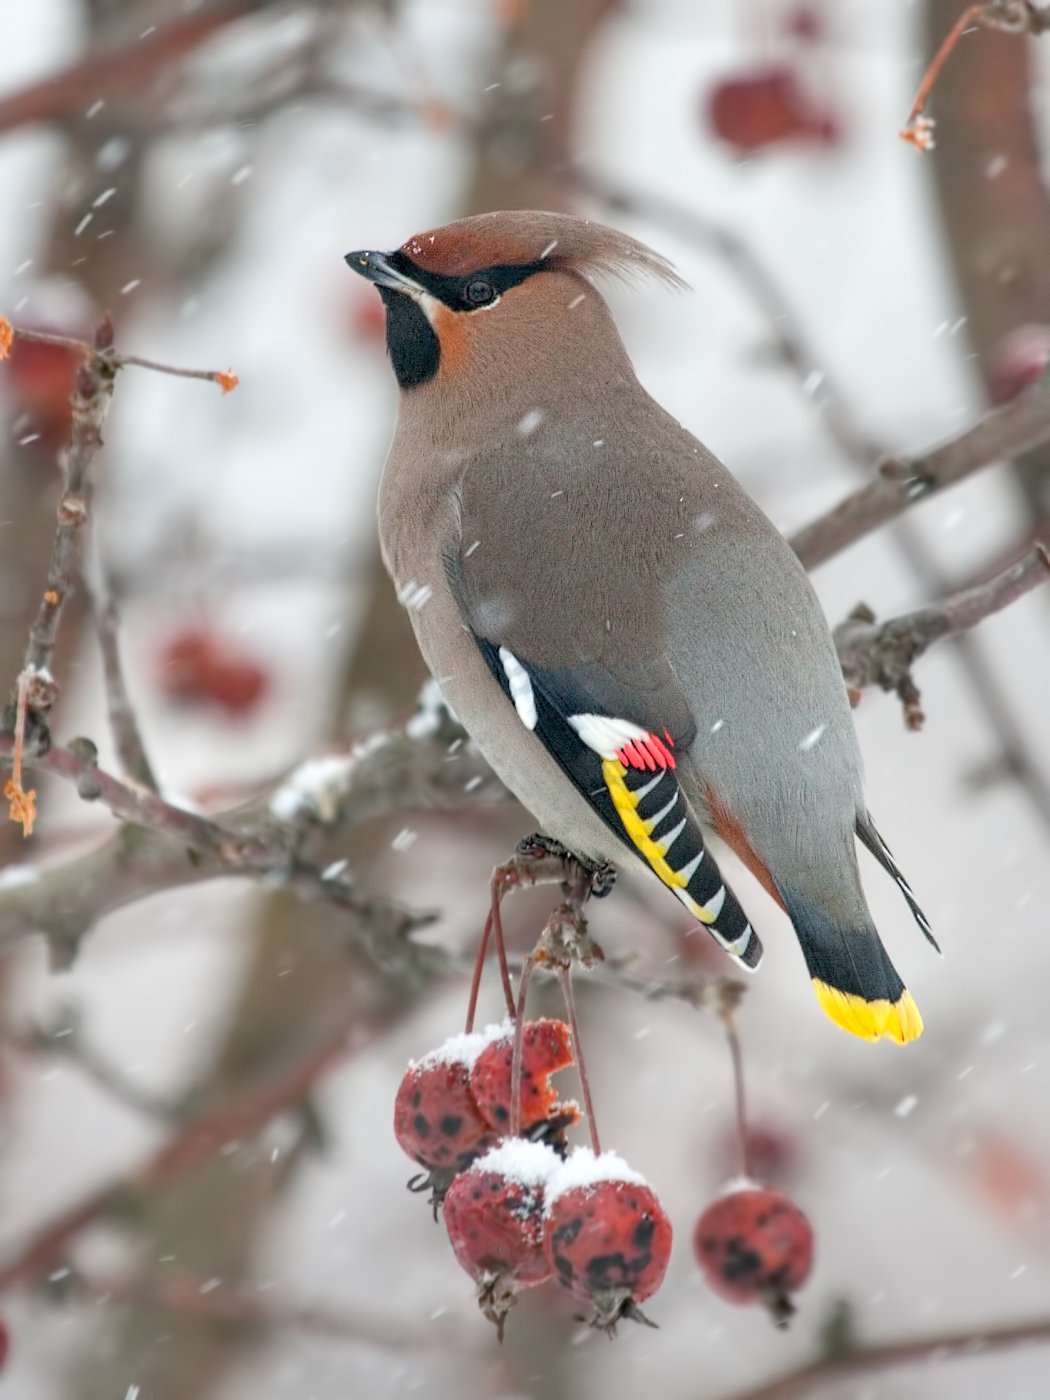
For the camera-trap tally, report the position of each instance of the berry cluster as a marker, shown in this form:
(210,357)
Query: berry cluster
(521,1209)
(482,1117)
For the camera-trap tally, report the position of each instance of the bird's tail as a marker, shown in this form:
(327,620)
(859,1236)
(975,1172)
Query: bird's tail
(855,982)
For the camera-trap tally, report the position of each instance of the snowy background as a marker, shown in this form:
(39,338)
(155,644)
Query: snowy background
(925,1172)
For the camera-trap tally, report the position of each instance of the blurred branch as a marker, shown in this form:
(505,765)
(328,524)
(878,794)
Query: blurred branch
(860,1360)
(987,172)
(63,1039)
(884,655)
(178,1292)
(164,846)
(789,340)
(902,482)
(124,67)
(200,1137)
(123,722)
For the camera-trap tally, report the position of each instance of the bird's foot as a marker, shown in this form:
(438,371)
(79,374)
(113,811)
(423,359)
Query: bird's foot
(600,876)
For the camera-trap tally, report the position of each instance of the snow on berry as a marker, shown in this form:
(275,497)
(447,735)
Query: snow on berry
(754,1245)
(436,1120)
(494,1215)
(546,1049)
(607,1237)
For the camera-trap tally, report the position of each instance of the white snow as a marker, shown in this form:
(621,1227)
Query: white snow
(521,1161)
(318,785)
(464,1049)
(583,1170)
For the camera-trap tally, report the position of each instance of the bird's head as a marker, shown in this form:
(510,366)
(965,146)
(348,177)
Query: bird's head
(477,290)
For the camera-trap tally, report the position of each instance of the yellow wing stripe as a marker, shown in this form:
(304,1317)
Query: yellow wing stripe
(870,1020)
(626,804)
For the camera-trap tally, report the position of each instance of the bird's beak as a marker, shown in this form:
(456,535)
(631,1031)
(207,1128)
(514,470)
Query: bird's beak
(376,268)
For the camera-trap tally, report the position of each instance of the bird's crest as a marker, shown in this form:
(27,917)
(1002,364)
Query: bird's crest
(519,237)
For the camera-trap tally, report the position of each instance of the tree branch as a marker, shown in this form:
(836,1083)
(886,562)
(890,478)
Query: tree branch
(884,655)
(133,64)
(426,765)
(902,482)
(882,1356)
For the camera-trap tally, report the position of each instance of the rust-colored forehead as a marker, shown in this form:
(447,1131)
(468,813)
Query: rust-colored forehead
(454,251)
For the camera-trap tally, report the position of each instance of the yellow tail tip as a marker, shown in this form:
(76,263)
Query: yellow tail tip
(870,1020)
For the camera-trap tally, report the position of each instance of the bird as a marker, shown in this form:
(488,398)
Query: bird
(631,643)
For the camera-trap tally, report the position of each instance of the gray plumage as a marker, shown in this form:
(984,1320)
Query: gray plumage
(539,499)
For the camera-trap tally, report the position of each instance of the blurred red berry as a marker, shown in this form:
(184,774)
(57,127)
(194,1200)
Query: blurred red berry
(772,1152)
(39,379)
(436,1121)
(368,318)
(765,108)
(196,666)
(234,683)
(546,1049)
(494,1215)
(755,1246)
(1018,361)
(5,1343)
(606,1235)
(805,23)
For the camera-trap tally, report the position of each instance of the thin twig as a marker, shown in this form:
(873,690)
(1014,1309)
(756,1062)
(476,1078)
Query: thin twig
(1009,16)
(884,655)
(903,482)
(123,721)
(113,359)
(974,1341)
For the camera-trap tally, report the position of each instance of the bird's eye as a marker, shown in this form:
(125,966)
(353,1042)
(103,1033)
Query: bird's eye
(479,292)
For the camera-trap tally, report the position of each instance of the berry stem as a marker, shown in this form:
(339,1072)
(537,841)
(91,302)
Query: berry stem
(519,1040)
(565,979)
(492,922)
(970,16)
(737,1058)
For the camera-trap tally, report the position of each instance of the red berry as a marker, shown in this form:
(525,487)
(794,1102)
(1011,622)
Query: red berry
(1018,361)
(546,1048)
(494,1215)
(236,684)
(436,1121)
(767,107)
(606,1235)
(197,666)
(755,1246)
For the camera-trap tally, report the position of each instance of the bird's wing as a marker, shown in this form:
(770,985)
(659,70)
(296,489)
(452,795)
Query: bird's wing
(614,725)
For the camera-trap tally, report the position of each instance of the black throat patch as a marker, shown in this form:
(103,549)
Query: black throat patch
(414,350)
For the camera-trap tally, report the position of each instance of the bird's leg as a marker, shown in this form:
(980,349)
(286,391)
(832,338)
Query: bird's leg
(537,860)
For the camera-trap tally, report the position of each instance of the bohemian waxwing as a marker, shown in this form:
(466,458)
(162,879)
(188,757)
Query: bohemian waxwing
(632,644)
